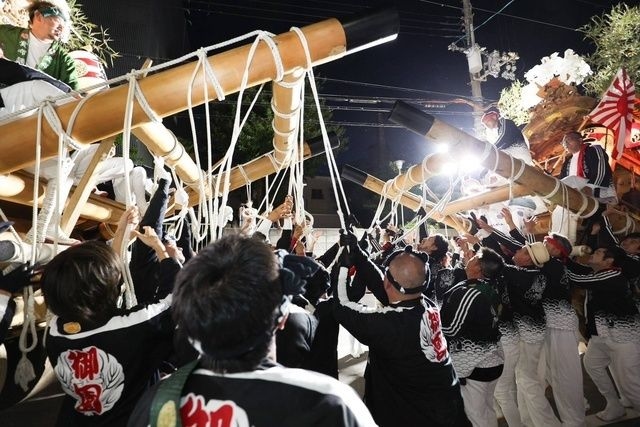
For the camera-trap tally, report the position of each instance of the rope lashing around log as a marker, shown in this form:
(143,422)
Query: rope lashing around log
(24,372)
(334,173)
(222,182)
(437,207)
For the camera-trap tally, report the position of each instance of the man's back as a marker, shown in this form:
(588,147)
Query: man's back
(269,396)
(409,378)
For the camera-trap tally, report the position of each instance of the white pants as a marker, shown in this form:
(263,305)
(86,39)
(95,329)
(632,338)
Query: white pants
(114,169)
(108,169)
(565,375)
(478,402)
(602,352)
(26,94)
(531,389)
(506,391)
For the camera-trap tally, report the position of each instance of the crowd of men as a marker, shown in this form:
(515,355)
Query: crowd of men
(247,323)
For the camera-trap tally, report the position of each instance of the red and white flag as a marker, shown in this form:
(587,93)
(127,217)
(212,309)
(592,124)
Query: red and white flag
(615,110)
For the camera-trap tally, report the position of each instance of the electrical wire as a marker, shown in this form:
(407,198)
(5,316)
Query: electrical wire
(487,20)
(401,89)
(536,21)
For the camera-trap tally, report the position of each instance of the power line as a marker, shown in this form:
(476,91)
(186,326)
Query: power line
(488,19)
(257,17)
(536,21)
(441,4)
(414,33)
(528,19)
(260,9)
(494,15)
(402,89)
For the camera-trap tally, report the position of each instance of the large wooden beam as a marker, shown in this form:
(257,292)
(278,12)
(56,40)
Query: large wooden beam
(163,143)
(83,190)
(417,174)
(500,162)
(102,115)
(260,167)
(97,208)
(406,199)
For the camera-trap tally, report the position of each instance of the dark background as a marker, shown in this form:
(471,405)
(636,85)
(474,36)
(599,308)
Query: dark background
(416,67)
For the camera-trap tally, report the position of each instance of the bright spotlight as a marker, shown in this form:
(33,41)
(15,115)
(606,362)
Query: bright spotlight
(442,148)
(469,164)
(449,168)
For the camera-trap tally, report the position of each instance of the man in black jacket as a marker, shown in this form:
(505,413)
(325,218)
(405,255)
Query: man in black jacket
(409,379)
(591,162)
(229,300)
(470,323)
(613,324)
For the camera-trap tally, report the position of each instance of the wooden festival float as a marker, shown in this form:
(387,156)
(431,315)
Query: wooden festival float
(524,180)
(282,59)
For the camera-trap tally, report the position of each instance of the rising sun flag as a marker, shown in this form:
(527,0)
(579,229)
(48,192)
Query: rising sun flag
(615,110)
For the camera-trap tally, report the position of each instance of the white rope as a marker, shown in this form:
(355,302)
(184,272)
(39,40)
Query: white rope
(336,183)
(380,208)
(438,207)
(222,182)
(555,190)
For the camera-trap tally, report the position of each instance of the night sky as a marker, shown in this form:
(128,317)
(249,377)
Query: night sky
(416,67)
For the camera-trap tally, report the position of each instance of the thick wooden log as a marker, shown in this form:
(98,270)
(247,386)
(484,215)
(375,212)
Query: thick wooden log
(286,104)
(487,198)
(500,162)
(260,167)
(417,174)
(83,190)
(102,115)
(97,208)
(163,143)
(406,199)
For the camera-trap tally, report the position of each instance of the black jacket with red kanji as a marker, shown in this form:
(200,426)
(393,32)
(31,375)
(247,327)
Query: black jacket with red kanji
(105,370)
(271,395)
(409,379)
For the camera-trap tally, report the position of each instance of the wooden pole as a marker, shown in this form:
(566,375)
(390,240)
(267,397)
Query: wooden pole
(83,190)
(163,143)
(286,104)
(407,199)
(97,208)
(500,162)
(102,115)
(260,167)
(417,174)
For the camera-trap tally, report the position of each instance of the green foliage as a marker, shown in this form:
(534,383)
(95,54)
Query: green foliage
(88,36)
(616,36)
(256,137)
(510,105)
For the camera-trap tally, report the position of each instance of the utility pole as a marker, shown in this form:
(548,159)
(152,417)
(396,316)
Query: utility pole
(476,84)
(481,65)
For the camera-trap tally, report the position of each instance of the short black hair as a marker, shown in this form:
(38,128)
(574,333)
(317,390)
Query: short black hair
(617,253)
(226,298)
(442,246)
(491,263)
(564,241)
(82,284)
